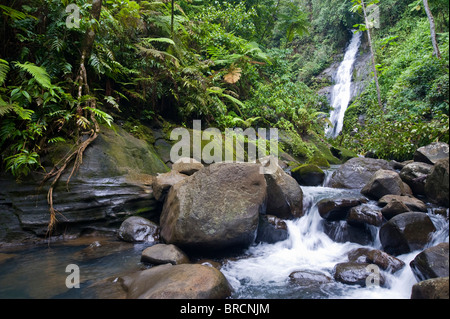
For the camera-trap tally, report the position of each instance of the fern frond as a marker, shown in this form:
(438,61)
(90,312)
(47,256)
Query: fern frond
(39,73)
(4,69)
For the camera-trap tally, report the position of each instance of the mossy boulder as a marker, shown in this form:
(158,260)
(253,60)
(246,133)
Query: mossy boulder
(308,175)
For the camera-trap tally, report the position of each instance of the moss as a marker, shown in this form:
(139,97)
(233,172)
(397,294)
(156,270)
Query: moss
(319,161)
(307,169)
(343,154)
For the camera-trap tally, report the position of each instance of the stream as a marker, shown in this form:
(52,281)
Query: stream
(262,271)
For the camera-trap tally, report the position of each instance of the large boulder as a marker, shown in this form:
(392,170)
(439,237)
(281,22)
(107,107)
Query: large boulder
(138,229)
(436,288)
(357,172)
(353,273)
(437,185)
(163,254)
(307,278)
(432,153)
(406,232)
(415,175)
(385,182)
(186,281)
(284,195)
(308,175)
(431,263)
(216,208)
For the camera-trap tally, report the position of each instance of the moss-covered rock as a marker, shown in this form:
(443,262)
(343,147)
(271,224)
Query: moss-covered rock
(308,175)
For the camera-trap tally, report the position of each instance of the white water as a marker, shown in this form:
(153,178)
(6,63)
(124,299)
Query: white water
(341,94)
(264,271)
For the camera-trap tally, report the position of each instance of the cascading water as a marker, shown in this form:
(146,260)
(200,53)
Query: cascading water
(264,271)
(341,94)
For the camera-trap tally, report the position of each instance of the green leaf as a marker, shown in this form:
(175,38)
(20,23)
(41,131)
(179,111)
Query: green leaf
(39,73)
(4,69)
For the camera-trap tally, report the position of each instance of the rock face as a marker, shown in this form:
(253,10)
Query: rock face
(216,208)
(415,174)
(184,281)
(430,154)
(164,254)
(436,288)
(385,182)
(138,229)
(431,263)
(308,175)
(114,182)
(284,195)
(406,232)
(357,172)
(437,185)
(352,273)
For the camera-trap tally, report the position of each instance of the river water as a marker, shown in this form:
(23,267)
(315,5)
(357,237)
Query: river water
(262,271)
(265,272)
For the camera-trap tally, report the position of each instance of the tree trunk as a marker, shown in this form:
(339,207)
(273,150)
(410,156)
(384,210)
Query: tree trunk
(437,53)
(171,19)
(373,54)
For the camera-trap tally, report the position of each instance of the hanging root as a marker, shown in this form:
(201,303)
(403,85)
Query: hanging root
(55,173)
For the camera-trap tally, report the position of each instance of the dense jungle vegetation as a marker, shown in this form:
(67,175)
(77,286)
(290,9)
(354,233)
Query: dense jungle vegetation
(252,63)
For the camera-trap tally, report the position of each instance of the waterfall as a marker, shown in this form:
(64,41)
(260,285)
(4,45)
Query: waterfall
(341,94)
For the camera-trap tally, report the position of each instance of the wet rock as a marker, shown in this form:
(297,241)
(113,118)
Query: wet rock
(406,232)
(437,184)
(431,263)
(284,195)
(361,215)
(352,273)
(414,204)
(138,229)
(216,208)
(357,172)
(164,254)
(436,288)
(415,175)
(110,185)
(271,229)
(342,232)
(187,166)
(377,257)
(430,154)
(309,278)
(385,182)
(337,209)
(163,182)
(394,208)
(186,281)
(308,175)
